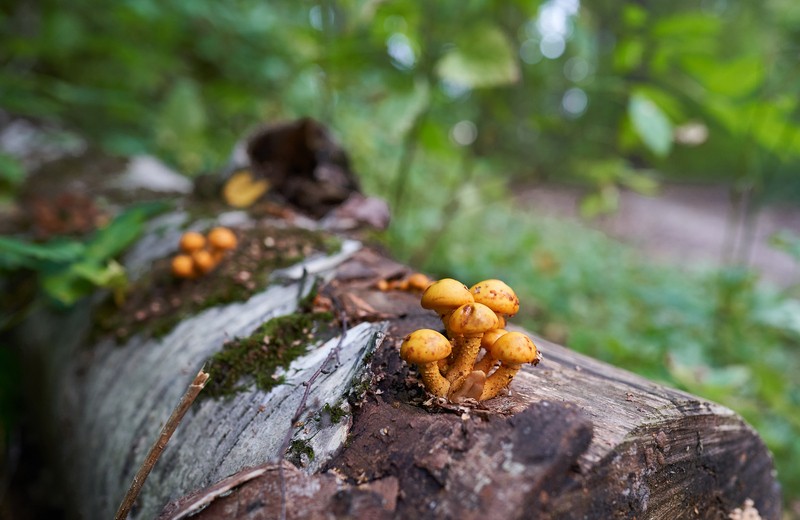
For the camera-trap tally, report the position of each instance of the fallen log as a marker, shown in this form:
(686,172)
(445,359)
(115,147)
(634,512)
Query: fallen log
(576,438)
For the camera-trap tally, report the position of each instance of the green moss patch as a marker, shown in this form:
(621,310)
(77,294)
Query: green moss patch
(298,450)
(254,360)
(158,301)
(336,412)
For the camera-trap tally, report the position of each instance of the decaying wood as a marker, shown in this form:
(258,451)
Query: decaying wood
(576,438)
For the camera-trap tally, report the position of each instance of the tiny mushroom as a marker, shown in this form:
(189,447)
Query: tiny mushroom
(512,349)
(183,266)
(204,261)
(487,362)
(445,296)
(498,296)
(468,323)
(192,241)
(222,238)
(417,282)
(424,348)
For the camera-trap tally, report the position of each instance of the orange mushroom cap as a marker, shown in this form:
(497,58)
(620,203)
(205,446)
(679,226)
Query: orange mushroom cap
(491,336)
(183,266)
(496,295)
(424,346)
(222,238)
(192,241)
(204,261)
(445,295)
(514,348)
(418,282)
(472,318)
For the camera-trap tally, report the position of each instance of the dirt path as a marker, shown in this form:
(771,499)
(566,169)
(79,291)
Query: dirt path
(686,224)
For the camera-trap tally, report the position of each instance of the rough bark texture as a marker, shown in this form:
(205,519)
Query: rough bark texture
(576,438)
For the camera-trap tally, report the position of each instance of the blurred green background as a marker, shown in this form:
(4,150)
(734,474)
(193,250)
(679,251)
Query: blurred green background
(445,108)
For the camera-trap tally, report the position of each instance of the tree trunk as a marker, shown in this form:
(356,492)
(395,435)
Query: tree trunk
(576,438)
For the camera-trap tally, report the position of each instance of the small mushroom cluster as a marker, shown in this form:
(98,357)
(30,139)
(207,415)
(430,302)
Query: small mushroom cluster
(199,254)
(473,318)
(415,282)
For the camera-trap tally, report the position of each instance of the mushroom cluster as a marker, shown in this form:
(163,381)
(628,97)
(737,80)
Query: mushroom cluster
(200,254)
(473,319)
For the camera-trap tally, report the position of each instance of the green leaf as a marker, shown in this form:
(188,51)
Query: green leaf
(69,284)
(65,286)
(671,105)
(16,253)
(734,78)
(639,182)
(689,26)
(111,274)
(628,55)
(122,231)
(11,171)
(650,123)
(485,58)
(634,16)
(600,203)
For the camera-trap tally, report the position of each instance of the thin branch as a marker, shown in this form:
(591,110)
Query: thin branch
(158,447)
(287,439)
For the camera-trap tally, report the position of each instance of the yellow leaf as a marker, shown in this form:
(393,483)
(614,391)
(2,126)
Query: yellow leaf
(242,189)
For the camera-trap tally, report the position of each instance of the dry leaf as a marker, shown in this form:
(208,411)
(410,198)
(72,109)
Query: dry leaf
(242,189)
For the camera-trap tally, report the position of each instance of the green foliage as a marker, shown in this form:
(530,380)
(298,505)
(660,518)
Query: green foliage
(483,57)
(396,80)
(11,175)
(70,269)
(651,124)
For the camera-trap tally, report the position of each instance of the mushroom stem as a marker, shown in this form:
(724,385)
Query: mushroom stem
(465,350)
(498,380)
(434,382)
(486,363)
(471,386)
(445,317)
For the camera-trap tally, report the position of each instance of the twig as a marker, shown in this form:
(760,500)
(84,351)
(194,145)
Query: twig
(287,439)
(155,451)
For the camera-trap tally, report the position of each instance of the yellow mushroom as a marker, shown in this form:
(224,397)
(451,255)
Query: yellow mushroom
(222,238)
(183,267)
(498,296)
(513,350)
(468,323)
(204,261)
(417,282)
(445,296)
(192,241)
(487,362)
(424,348)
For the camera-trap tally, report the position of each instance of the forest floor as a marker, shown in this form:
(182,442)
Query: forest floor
(687,224)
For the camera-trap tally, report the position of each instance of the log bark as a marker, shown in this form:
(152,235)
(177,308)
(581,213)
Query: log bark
(575,438)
